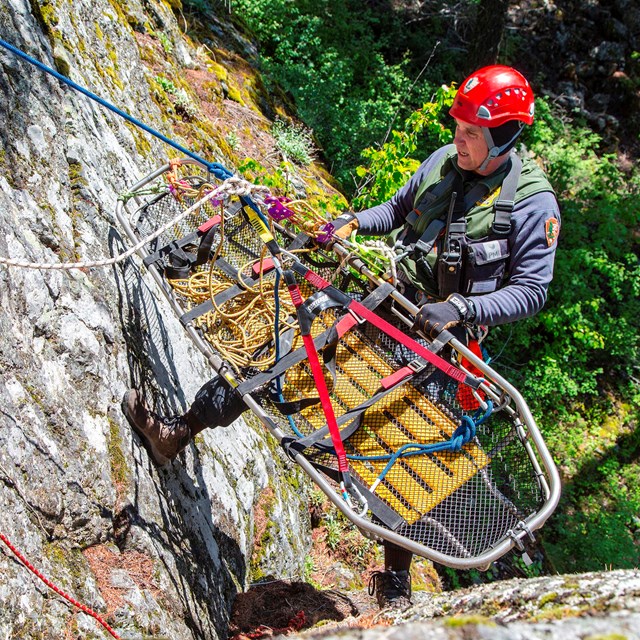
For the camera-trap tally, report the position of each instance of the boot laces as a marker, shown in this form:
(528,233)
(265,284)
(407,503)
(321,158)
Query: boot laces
(173,428)
(172,422)
(392,585)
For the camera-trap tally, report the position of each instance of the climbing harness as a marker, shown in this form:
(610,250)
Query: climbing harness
(456,239)
(419,443)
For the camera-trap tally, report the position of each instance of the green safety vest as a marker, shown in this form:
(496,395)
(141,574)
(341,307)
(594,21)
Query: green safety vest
(482,232)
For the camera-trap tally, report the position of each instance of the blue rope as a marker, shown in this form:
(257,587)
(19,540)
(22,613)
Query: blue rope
(218,170)
(463,434)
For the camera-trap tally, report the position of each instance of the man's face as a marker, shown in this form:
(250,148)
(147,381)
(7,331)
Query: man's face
(470,144)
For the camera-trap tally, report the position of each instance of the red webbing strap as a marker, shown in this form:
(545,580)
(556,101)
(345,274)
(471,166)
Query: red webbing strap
(266,265)
(321,385)
(396,377)
(325,401)
(396,334)
(416,347)
(345,324)
(317,281)
(211,222)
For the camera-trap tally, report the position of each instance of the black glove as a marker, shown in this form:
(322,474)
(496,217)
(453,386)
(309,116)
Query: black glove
(436,317)
(343,226)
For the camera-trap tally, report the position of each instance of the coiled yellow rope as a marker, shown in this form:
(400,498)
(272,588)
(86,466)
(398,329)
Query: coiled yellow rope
(242,329)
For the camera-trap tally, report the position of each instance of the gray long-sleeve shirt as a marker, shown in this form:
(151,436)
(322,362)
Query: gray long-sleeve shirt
(532,243)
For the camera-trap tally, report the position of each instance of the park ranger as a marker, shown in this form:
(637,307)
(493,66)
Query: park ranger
(475,231)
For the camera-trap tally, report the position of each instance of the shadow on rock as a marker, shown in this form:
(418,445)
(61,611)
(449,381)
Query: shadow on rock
(280,607)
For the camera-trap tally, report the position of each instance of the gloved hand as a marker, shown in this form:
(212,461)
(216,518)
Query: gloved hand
(343,226)
(436,317)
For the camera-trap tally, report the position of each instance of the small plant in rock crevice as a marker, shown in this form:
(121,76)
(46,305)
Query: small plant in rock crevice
(294,141)
(179,97)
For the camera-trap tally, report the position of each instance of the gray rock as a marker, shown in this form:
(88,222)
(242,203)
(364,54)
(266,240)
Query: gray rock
(571,607)
(73,475)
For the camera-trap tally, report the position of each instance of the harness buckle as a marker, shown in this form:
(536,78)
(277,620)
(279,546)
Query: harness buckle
(502,223)
(417,365)
(356,317)
(503,205)
(503,229)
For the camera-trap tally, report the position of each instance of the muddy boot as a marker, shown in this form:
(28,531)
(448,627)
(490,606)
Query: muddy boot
(392,589)
(164,438)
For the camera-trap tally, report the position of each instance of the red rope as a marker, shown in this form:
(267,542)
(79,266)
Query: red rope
(59,591)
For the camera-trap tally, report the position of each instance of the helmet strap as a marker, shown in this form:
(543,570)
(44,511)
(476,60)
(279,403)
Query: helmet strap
(495,150)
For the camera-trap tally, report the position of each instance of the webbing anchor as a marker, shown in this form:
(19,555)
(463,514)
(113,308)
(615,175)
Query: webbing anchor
(517,534)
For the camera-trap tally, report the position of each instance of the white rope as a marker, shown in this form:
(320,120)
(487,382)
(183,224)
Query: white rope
(233,186)
(387,253)
(379,246)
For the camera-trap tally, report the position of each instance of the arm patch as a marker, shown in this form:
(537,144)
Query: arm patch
(551,230)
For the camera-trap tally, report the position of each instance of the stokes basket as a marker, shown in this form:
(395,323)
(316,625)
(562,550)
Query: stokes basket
(460,501)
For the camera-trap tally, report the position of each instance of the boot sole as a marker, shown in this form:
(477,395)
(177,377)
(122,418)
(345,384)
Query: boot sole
(158,459)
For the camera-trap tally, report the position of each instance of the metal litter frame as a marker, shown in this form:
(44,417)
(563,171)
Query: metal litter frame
(496,388)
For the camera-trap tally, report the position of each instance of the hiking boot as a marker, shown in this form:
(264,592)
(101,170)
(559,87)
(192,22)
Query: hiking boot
(392,589)
(164,438)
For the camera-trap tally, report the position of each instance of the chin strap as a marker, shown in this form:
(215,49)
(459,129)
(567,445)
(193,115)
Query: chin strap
(494,150)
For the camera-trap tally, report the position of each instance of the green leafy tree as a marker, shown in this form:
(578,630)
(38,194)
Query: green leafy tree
(342,64)
(391,165)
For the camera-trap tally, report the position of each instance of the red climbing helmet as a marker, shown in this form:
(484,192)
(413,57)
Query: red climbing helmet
(492,96)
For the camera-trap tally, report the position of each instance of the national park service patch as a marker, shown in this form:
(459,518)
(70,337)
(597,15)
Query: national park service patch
(551,230)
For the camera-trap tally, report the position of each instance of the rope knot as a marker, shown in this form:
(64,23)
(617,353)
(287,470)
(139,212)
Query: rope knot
(463,434)
(236,186)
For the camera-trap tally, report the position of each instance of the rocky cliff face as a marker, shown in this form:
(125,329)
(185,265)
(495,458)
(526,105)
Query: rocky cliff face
(593,606)
(158,551)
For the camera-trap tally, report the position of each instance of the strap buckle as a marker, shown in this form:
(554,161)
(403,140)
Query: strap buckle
(502,223)
(504,205)
(356,317)
(417,365)
(452,256)
(503,229)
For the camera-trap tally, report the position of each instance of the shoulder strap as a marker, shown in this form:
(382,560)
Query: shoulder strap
(503,206)
(440,180)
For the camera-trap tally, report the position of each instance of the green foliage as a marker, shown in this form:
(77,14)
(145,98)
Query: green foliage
(347,68)
(587,338)
(179,98)
(166,43)
(277,179)
(307,572)
(597,525)
(335,529)
(294,141)
(345,65)
(232,140)
(166,84)
(342,537)
(391,165)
